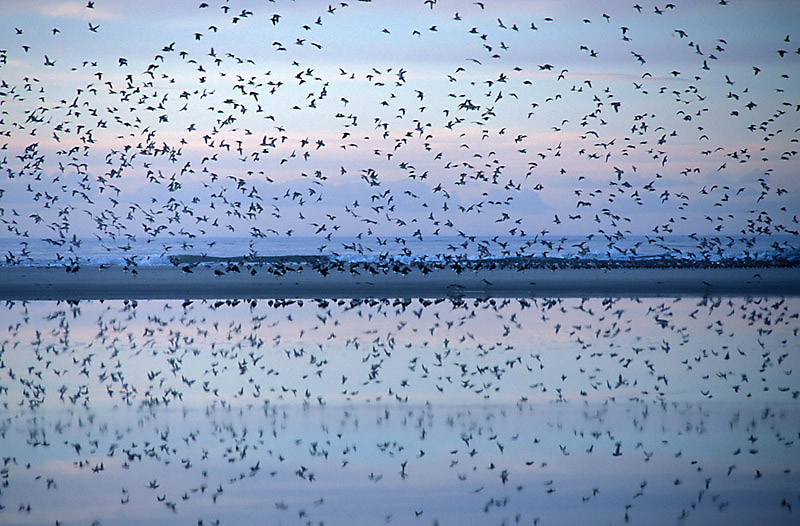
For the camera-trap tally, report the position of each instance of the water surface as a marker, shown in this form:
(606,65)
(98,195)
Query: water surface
(524,411)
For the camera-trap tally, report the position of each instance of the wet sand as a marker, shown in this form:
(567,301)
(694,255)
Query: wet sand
(215,281)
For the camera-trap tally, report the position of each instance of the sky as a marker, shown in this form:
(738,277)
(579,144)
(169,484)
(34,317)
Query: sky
(438,118)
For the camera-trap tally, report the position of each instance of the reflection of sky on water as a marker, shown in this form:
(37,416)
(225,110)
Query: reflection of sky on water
(665,407)
(503,350)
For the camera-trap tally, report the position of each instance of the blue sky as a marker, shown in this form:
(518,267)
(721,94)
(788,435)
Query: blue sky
(454,110)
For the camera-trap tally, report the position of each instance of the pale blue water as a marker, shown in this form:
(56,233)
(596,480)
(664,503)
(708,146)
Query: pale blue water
(551,411)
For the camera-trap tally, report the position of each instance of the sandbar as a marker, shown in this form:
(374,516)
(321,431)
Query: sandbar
(207,281)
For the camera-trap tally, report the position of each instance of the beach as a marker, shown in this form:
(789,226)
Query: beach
(365,281)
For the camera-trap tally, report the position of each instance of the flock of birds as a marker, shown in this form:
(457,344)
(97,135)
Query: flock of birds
(433,410)
(214,135)
(470,411)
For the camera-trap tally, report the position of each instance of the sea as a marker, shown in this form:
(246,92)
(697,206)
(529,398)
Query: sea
(401,411)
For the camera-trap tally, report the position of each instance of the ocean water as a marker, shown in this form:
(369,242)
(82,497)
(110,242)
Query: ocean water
(632,248)
(494,411)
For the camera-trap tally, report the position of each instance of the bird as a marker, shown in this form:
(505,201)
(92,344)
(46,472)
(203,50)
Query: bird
(384,275)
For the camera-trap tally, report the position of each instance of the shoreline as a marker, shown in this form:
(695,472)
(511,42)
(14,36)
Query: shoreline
(214,281)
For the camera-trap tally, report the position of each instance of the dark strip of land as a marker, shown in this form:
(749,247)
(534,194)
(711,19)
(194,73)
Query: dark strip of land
(363,281)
